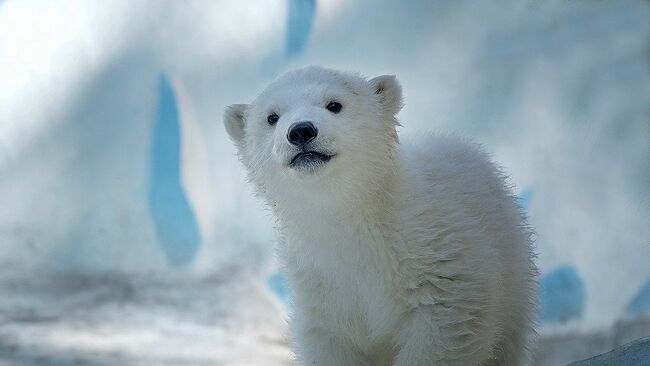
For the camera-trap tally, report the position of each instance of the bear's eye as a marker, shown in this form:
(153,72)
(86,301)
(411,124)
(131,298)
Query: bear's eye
(272,118)
(334,107)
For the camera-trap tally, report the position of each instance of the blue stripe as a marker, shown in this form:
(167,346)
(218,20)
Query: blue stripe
(172,215)
(299,23)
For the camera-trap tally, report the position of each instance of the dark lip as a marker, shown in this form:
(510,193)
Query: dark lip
(310,154)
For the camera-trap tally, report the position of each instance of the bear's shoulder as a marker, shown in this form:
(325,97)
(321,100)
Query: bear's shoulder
(448,156)
(455,173)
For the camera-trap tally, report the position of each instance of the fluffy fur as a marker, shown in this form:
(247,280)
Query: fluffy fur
(396,254)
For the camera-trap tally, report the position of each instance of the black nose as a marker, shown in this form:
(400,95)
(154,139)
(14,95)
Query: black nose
(301,133)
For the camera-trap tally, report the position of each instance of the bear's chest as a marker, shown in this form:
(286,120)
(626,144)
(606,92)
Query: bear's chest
(348,282)
(362,299)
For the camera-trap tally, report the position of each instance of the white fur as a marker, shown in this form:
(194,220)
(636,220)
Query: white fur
(395,254)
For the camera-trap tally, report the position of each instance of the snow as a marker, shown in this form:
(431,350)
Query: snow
(115,319)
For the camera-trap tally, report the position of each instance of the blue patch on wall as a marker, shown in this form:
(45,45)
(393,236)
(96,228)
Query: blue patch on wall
(562,295)
(299,24)
(172,215)
(641,302)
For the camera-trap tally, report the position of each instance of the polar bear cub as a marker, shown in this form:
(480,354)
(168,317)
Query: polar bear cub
(395,254)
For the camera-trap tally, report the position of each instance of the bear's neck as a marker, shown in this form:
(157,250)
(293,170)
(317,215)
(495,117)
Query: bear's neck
(342,214)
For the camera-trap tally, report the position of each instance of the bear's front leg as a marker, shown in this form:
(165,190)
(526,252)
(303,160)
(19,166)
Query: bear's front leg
(442,335)
(420,341)
(318,347)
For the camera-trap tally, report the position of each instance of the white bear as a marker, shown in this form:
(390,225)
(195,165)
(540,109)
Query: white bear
(395,254)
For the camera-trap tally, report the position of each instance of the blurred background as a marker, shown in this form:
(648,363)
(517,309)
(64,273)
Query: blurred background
(128,233)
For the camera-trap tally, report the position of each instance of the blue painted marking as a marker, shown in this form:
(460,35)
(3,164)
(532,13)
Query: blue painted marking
(299,24)
(562,295)
(641,302)
(172,215)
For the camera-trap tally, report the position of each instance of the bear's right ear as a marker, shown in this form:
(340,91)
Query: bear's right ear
(233,119)
(389,91)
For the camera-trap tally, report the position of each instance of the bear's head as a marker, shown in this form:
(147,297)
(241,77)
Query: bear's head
(317,131)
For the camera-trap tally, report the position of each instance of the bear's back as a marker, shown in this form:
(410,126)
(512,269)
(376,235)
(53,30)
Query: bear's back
(451,185)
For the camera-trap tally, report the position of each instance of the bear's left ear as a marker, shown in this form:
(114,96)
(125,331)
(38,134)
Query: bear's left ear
(233,119)
(389,91)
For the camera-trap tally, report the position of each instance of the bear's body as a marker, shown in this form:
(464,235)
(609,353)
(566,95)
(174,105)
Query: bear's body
(396,254)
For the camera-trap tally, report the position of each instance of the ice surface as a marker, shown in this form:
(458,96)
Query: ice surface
(635,353)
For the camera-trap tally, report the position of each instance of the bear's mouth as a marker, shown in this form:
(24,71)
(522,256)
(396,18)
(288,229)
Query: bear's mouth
(309,158)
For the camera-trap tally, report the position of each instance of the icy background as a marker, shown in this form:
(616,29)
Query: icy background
(128,235)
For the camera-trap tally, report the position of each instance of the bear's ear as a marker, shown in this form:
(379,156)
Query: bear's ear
(233,119)
(389,92)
